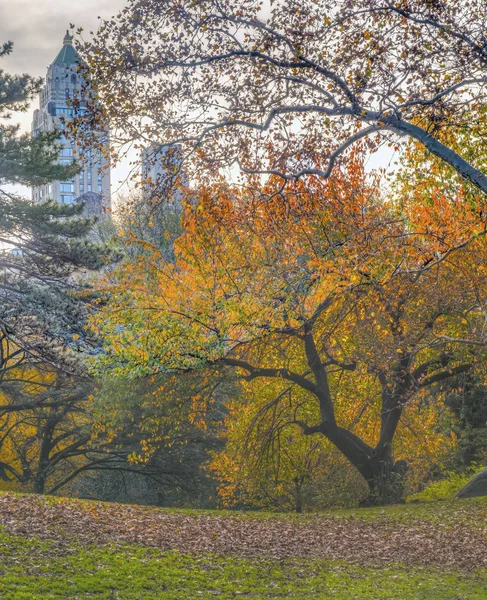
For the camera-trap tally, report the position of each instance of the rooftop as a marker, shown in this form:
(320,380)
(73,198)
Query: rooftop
(67,54)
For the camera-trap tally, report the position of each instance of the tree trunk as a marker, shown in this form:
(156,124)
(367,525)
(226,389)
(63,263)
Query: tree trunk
(39,484)
(461,166)
(385,478)
(298,495)
(386,486)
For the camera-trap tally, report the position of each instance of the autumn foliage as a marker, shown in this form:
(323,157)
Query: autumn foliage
(338,307)
(300,320)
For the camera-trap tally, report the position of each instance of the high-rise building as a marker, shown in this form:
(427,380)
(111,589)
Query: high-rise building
(163,174)
(63,91)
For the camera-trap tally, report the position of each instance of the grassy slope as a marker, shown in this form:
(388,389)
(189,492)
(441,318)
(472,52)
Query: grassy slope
(67,567)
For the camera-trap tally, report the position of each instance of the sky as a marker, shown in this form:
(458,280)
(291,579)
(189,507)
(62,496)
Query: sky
(37,28)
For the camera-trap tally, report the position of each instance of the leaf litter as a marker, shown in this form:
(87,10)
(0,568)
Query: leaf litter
(457,543)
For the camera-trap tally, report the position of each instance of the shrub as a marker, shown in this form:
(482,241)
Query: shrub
(445,488)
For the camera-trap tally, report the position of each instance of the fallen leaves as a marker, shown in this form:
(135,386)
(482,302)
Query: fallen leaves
(380,540)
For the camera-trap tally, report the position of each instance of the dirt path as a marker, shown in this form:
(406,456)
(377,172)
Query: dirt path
(351,539)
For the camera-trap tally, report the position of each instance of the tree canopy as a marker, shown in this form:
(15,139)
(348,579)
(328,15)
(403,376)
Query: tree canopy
(279,87)
(354,303)
(41,245)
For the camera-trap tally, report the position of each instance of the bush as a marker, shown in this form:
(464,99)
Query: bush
(445,488)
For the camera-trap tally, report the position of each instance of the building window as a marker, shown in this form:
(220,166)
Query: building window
(67,199)
(65,152)
(67,187)
(81,187)
(89,175)
(65,161)
(63,110)
(89,187)
(99,188)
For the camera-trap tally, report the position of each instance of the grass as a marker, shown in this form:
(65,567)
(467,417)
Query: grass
(471,512)
(441,511)
(66,567)
(35,569)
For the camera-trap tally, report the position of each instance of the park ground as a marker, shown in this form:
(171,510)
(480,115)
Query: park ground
(55,548)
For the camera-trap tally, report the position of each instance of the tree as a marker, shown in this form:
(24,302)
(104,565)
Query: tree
(44,254)
(171,423)
(425,176)
(52,434)
(266,462)
(146,223)
(314,285)
(24,159)
(422,173)
(467,402)
(45,432)
(278,88)
(42,246)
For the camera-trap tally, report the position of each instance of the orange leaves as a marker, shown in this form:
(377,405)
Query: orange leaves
(257,268)
(254,260)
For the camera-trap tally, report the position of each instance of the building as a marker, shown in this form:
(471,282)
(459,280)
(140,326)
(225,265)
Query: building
(62,87)
(163,176)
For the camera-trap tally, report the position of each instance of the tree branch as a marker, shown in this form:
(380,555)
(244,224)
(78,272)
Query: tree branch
(282,373)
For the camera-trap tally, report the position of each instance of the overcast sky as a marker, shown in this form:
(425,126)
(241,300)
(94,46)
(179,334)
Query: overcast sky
(37,28)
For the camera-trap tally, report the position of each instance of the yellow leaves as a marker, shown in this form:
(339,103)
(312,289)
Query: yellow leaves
(250,263)
(76,337)
(244,269)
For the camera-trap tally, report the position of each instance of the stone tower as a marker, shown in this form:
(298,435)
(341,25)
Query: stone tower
(62,86)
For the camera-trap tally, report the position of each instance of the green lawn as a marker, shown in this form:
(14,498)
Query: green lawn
(34,569)
(62,563)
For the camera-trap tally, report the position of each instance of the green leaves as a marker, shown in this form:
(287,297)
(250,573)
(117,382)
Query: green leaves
(42,245)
